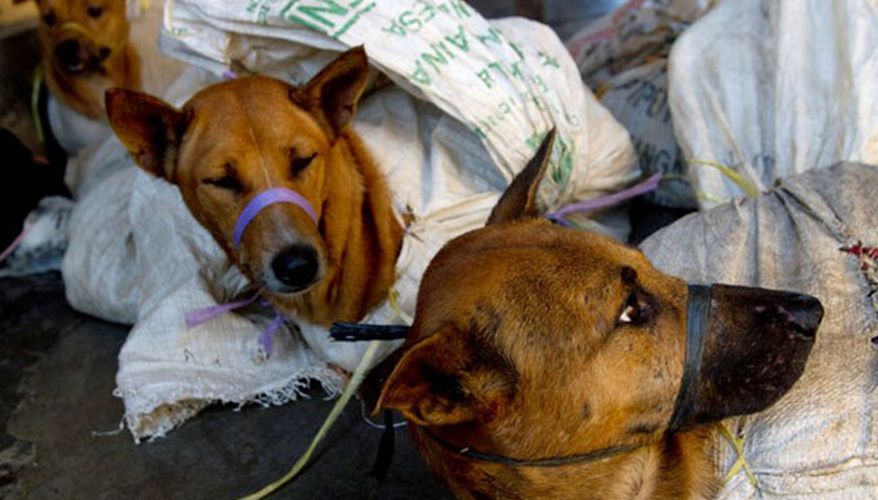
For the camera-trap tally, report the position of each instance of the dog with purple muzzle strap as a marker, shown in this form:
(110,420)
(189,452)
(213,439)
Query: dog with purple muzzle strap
(281,181)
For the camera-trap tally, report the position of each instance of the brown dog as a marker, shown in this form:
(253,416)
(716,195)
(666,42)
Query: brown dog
(235,141)
(85,50)
(545,362)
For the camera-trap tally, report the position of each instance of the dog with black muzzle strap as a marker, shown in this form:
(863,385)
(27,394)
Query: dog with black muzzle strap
(545,362)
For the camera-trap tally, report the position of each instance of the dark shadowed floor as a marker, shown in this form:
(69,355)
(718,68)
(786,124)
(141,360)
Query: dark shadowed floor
(57,370)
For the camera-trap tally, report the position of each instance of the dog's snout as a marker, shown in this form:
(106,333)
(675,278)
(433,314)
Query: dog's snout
(296,266)
(70,55)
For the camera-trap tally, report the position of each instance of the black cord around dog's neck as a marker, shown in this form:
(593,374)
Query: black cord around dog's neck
(591,456)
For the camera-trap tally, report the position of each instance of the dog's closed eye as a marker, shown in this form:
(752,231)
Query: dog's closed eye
(227,182)
(300,163)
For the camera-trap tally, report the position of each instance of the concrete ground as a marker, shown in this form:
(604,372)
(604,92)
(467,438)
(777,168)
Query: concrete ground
(57,373)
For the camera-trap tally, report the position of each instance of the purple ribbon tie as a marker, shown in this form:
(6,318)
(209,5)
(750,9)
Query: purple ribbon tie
(644,187)
(205,314)
(264,200)
(265,338)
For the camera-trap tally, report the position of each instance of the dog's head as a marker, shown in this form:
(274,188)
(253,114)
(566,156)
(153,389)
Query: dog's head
(237,141)
(533,341)
(77,36)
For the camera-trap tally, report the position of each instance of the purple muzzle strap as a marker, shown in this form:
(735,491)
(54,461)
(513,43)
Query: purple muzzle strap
(264,200)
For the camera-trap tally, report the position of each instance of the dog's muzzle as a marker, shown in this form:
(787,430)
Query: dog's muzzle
(745,348)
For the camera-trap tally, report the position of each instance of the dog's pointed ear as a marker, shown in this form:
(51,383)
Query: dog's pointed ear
(445,379)
(149,128)
(332,94)
(519,200)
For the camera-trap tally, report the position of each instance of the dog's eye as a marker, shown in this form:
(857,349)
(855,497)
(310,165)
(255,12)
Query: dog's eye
(299,164)
(227,182)
(49,18)
(635,312)
(95,11)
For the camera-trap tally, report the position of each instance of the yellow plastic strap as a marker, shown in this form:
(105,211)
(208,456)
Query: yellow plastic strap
(398,313)
(353,385)
(741,463)
(35,104)
(746,186)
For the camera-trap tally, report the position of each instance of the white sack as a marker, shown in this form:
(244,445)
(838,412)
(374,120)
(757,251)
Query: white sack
(772,88)
(623,57)
(636,33)
(506,80)
(820,440)
(638,98)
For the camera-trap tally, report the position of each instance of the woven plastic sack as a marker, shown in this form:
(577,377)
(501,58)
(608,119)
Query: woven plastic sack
(809,234)
(771,88)
(636,33)
(508,81)
(623,57)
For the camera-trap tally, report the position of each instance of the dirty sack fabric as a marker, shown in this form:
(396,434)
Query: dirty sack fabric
(772,88)
(635,34)
(623,57)
(821,438)
(136,254)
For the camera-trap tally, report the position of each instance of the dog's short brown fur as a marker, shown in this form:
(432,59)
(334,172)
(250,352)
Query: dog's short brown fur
(84,49)
(534,341)
(236,139)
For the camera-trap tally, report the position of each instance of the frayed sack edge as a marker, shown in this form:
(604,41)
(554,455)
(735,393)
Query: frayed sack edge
(157,418)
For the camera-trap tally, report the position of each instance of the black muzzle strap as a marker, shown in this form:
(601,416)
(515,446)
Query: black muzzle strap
(698,309)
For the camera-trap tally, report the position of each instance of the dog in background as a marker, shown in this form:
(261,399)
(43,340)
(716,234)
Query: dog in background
(87,47)
(545,362)
(85,50)
(329,257)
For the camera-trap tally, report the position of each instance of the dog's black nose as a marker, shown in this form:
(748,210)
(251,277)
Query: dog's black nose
(296,266)
(69,54)
(794,311)
(803,312)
